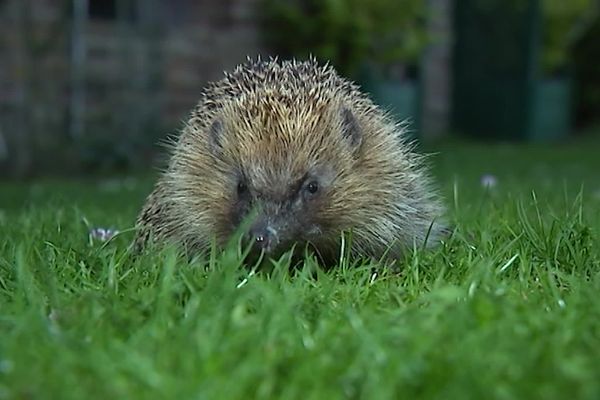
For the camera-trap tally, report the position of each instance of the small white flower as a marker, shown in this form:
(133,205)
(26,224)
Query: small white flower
(102,234)
(489,180)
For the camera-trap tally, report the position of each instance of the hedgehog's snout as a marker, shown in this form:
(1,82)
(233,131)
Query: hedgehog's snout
(264,236)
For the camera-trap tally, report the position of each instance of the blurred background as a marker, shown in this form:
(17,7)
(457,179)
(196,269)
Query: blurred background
(91,86)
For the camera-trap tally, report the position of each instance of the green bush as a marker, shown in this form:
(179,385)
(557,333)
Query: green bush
(587,73)
(348,33)
(564,23)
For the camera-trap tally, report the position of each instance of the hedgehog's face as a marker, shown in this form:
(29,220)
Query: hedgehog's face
(282,212)
(284,173)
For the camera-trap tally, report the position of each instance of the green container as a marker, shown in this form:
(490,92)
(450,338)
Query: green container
(551,110)
(401,98)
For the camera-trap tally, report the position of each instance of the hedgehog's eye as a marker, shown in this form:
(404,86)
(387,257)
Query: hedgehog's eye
(242,188)
(312,187)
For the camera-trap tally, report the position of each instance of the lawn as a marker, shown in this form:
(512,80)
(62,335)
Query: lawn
(507,308)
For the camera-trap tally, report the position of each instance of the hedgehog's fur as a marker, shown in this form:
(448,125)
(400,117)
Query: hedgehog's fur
(260,134)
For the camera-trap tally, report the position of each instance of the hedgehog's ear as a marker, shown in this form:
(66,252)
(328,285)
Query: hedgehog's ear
(215,136)
(350,128)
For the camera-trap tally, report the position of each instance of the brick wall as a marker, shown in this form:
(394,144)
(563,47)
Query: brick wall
(128,63)
(202,39)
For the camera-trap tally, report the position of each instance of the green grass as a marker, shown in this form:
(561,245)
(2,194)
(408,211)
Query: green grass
(507,308)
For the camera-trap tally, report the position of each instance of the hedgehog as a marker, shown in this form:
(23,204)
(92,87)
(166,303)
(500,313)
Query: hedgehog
(306,156)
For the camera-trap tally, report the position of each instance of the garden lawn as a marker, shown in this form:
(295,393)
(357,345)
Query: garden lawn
(508,307)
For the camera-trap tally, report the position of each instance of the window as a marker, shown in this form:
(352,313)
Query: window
(111,9)
(103,9)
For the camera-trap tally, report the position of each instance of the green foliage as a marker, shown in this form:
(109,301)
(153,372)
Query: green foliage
(564,23)
(587,73)
(506,308)
(346,32)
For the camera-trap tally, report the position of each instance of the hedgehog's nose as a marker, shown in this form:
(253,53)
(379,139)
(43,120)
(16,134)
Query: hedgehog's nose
(264,237)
